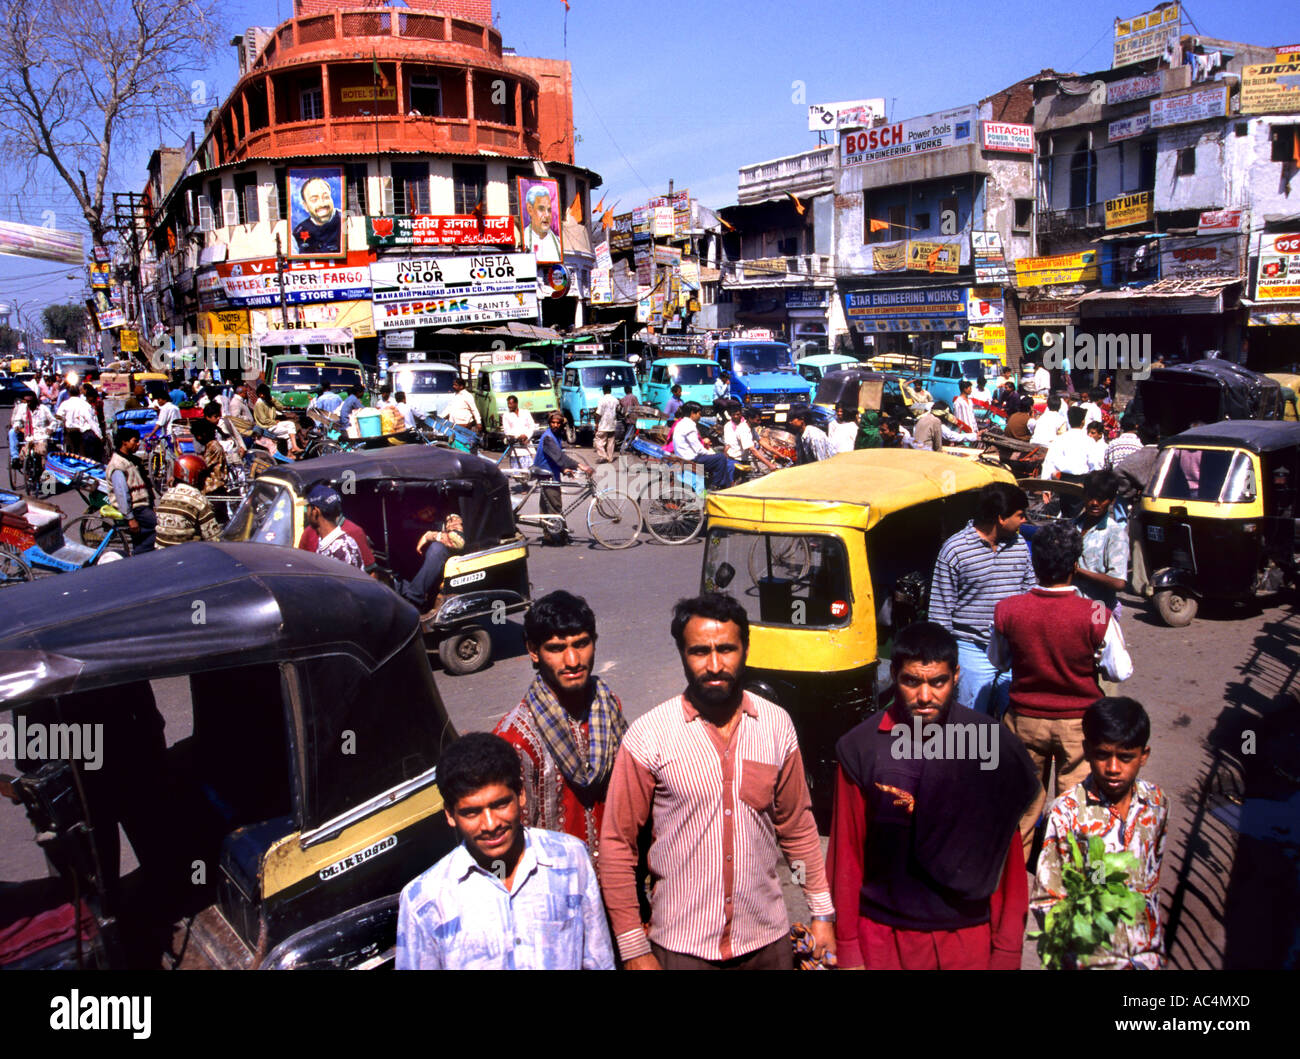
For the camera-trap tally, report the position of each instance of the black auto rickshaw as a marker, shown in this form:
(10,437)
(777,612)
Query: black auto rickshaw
(1205,391)
(858,388)
(264,726)
(384,491)
(1219,515)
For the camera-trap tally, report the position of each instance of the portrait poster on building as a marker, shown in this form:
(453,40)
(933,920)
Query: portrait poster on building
(316,226)
(540,219)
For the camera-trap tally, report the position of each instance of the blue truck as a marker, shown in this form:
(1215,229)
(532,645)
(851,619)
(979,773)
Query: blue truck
(763,376)
(582,386)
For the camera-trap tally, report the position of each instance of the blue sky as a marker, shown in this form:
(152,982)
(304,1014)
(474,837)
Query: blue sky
(693,90)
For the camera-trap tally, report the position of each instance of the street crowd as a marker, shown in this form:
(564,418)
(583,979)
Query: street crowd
(589,842)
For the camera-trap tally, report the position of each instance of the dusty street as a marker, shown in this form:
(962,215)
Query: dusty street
(1223,744)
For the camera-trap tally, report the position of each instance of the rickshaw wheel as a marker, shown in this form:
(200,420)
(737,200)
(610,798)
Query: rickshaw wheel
(1176,609)
(90,529)
(570,432)
(13,569)
(465,651)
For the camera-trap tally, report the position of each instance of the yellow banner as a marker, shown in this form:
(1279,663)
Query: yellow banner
(994,337)
(1271,88)
(130,340)
(1129,209)
(366,94)
(226,322)
(933,257)
(889,258)
(356,315)
(1062,268)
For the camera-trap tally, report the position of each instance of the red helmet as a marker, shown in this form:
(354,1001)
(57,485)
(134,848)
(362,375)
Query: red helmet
(189,469)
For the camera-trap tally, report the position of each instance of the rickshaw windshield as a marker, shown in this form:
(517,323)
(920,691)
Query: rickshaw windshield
(785,580)
(413,380)
(265,516)
(1217,475)
(833,391)
(691,374)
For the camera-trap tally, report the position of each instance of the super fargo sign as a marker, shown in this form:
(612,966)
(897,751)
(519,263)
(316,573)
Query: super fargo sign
(933,132)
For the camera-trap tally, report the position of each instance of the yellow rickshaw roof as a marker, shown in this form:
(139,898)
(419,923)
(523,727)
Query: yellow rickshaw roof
(880,480)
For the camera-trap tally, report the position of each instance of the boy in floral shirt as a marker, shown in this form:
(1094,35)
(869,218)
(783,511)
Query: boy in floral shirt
(1128,813)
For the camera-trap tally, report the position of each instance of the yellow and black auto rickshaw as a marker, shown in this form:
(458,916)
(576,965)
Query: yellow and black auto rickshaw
(395,495)
(1219,515)
(270,758)
(829,560)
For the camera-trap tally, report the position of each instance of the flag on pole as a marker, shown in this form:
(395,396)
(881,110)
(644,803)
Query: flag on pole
(729,227)
(600,206)
(879,226)
(575,210)
(799,206)
(607,220)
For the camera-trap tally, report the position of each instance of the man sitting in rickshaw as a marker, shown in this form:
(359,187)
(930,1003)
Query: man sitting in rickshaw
(437,546)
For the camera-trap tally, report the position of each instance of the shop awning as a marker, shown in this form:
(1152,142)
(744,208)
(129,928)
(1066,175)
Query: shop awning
(1048,312)
(1174,296)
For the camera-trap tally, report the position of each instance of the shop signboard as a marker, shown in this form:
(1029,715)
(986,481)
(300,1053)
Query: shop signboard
(934,310)
(1006,136)
(1146,36)
(851,114)
(1127,210)
(924,256)
(256,284)
(1128,128)
(1202,104)
(914,136)
(1079,267)
(1272,88)
(1277,271)
(1134,88)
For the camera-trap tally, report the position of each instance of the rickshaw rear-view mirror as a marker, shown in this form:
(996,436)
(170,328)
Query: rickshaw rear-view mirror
(724,575)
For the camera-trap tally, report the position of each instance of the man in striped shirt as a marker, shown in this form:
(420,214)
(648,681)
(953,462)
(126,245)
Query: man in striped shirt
(718,769)
(976,569)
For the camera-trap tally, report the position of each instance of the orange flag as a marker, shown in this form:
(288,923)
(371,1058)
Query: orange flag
(878,226)
(575,210)
(600,206)
(799,206)
(730,228)
(607,220)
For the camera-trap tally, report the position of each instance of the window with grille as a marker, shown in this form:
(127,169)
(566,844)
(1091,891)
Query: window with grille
(410,188)
(246,198)
(355,175)
(470,185)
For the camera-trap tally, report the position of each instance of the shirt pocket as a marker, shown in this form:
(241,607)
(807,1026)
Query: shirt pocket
(758,785)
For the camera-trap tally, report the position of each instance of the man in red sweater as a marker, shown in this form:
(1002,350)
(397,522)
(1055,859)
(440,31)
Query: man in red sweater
(1054,641)
(925,861)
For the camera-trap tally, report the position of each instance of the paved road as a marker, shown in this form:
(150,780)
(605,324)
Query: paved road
(1224,733)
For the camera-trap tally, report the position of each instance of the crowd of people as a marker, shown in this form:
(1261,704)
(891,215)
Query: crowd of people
(587,841)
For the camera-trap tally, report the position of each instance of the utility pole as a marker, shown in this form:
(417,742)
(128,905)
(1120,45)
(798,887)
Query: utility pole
(130,222)
(279,275)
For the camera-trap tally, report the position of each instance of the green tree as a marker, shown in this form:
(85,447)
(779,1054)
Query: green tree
(67,322)
(9,339)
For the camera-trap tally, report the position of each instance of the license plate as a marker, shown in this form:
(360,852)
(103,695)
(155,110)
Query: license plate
(779,417)
(1155,533)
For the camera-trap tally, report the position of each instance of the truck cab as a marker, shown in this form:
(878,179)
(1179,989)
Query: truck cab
(295,378)
(695,375)
(948,369)
(815,367)
(80,363)
(582,386)
(763,376)
(528,380)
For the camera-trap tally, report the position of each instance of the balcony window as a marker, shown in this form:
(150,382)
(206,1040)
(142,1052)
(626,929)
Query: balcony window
(1147,165)
(311,104)
(410,188)
(1083,178)
(1187,161)
(426,96)
(1024,214)
(1285,143)
(246,194)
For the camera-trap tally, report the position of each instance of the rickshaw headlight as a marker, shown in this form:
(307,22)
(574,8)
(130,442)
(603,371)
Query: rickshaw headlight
(1248,527)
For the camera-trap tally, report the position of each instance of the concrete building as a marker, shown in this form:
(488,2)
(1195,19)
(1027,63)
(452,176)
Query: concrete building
(1152,169)
(420,123)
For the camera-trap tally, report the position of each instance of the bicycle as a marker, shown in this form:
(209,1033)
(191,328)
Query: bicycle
(613,517)
(25,471)
(100,521)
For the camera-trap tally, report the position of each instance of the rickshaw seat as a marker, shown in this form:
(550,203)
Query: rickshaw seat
(243,849)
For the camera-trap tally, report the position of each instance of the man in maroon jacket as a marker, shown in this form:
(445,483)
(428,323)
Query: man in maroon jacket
(925,862)
(1054,641)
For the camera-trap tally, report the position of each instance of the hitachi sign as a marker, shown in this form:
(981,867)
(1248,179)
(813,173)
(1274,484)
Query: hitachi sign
(872,139)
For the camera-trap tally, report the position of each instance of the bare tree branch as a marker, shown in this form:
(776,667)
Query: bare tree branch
(81,78)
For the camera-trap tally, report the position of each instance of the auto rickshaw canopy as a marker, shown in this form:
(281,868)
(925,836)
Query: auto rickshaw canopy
(853,489)
(482,490)
(1253,435)
(196,607)
(844,386)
